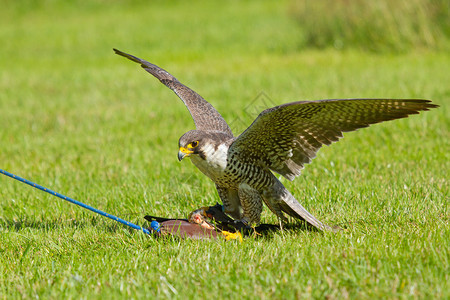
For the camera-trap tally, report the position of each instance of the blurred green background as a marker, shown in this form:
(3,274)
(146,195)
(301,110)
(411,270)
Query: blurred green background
(87,123)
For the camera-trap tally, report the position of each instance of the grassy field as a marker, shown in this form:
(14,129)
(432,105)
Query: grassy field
(80,120)
(378,26)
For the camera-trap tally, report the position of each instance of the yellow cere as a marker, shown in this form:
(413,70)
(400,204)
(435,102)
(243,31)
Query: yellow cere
(186,150)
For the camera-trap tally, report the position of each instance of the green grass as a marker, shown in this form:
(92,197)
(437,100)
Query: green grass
(379,26)
(80,120)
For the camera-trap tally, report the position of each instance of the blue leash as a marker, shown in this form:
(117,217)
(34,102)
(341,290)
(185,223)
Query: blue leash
(40,187)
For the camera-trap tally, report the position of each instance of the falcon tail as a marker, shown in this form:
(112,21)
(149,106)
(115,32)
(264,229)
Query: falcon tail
(292,207)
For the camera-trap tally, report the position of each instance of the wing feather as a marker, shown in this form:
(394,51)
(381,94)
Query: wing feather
(205,116)
(286,137)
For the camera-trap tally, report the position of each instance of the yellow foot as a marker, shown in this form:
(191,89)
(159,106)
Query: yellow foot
(232,235)
(256,233)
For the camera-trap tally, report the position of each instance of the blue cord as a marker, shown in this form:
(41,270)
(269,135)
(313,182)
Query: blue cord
(155,226)
(39,187)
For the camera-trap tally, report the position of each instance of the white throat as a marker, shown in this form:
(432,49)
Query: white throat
(215,160)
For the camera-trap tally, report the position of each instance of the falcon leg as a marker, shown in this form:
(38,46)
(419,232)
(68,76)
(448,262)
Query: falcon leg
(230,201)
(251,203)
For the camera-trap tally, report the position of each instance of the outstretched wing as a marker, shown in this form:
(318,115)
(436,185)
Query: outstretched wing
(205,116)
(286,137)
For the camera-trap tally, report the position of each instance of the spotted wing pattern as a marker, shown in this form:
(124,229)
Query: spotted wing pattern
(205,116)
(286,137)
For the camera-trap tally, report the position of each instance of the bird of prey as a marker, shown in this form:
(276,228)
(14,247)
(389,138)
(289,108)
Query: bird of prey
(281,139)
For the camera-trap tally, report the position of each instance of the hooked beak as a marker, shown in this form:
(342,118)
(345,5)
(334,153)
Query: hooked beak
(183,152)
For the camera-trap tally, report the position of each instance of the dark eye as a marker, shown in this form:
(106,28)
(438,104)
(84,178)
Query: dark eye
(194,144)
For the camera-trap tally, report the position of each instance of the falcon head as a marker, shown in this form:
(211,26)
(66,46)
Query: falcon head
(197,142)
(189,144)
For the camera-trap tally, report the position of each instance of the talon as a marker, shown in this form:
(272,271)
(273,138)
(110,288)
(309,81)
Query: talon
(242,221)
(256,232)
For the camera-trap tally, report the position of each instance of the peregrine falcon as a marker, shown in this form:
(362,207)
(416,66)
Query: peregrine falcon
(281,139)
